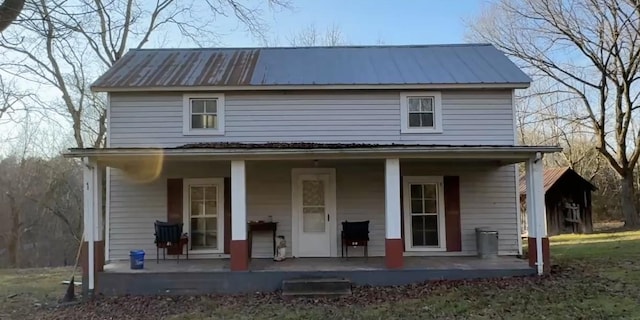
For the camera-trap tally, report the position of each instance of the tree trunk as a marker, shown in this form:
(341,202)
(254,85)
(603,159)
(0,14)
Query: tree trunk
(13,245)
(628,200)
(9,11)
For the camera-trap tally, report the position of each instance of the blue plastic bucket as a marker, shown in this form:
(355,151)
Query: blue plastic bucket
(136,257)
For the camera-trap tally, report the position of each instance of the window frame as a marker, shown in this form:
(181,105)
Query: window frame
(406,199)
(186,214)
(187,130)
(437,111)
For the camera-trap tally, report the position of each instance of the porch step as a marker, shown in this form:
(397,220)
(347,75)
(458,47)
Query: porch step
(316,287)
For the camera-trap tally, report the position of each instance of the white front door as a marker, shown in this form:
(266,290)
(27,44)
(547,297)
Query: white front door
(314,213)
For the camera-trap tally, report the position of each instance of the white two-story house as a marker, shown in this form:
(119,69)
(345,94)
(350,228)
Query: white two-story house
(239,145)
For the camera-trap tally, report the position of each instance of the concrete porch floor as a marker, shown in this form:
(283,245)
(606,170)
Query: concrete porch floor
(322,264)
(213,276)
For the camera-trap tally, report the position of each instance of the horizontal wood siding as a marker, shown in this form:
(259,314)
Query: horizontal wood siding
(469,117)
(134,207)
(487,199)
(486,192)
(360,197)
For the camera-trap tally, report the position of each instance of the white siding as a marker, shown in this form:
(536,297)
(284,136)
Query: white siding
(487,199)
(469,117)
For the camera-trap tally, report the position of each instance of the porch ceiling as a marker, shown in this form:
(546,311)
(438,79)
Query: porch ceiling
(299,151)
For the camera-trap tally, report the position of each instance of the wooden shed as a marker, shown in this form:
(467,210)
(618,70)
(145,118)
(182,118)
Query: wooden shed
(567,197)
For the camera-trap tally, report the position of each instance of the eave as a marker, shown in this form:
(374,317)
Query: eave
(283,87)
(505,154)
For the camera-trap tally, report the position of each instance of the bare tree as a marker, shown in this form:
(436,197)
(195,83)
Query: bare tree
(63,46)
(312,37)
(40,208)
(591,50)
(40,197)
(9,11)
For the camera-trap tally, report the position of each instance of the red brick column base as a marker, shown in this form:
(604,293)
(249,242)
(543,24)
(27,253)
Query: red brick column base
(98,257)
(546,253)
(393,250)
(239,250)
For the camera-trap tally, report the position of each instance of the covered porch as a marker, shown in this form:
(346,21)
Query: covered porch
(474,187)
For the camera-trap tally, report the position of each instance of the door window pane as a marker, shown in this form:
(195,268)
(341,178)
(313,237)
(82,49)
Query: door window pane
(313,206)
(313,222)
(312,192)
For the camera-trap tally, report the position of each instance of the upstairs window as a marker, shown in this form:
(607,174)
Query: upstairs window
(421,112)
(203,114)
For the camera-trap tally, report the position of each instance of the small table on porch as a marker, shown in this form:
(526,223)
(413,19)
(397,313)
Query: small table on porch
(261,226)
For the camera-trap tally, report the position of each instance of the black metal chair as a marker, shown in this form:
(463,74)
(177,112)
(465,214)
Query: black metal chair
(168,236)
(355,234)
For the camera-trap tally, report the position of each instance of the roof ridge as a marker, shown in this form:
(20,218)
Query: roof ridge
(319,47)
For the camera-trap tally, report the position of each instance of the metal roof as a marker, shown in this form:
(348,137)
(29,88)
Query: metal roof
(550,177)
(308,66)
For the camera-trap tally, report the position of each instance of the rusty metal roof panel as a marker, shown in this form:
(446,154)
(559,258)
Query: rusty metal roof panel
(181,67)
(363,65)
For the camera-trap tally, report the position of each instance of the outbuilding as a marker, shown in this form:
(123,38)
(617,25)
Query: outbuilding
(567,197)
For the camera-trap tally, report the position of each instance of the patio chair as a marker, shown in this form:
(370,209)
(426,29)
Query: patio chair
(168,236)
(355,234)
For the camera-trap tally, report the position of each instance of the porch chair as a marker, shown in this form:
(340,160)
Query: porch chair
(355,234)
(168,236)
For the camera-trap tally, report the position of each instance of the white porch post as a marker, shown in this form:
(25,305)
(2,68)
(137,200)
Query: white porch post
(538,242)
(87,187)
(93,246)
(99,227)
(239,246)
(393,232)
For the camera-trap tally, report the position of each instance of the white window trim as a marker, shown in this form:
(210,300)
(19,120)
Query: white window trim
(186,216)
(406,199)
(186,114)
(437,110)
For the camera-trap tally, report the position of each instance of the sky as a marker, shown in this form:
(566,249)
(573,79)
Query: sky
(373,21)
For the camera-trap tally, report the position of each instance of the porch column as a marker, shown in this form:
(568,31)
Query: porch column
(393,232)
(92,252)
(537,241)
(239,246)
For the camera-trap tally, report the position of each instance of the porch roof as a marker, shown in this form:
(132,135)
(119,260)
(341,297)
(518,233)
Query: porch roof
(298,150)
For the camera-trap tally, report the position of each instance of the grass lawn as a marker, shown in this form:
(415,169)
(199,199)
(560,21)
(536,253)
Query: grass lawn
(24,291)
(597,277)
